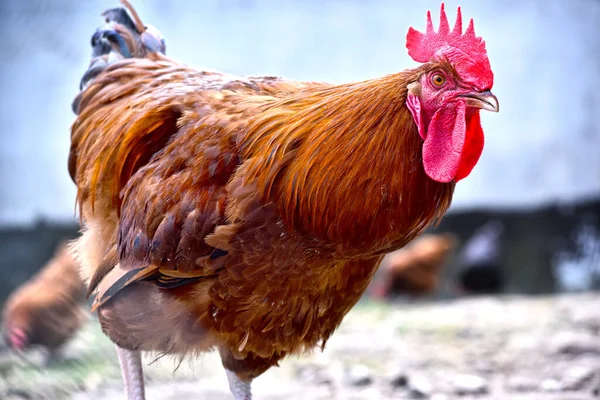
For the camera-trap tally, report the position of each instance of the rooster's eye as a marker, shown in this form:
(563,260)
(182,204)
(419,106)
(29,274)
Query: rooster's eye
(438,79)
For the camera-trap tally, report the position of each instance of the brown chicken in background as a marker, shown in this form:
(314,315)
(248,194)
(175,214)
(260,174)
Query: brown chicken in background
(48,309)
(249,215)
(414,269)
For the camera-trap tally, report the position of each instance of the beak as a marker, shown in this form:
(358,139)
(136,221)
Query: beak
(485,100)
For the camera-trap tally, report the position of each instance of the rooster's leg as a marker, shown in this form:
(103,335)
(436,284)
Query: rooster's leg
(133,375)
(239,388)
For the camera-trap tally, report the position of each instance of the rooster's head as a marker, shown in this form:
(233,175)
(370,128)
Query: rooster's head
(446,99)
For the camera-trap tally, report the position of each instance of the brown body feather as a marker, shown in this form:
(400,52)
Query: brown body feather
(247,213)
(49,307)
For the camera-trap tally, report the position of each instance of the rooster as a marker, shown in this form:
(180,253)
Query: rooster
(249,215)
(415,269)
(48,309)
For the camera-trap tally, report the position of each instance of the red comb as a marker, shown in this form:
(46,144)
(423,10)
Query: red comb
(458,48)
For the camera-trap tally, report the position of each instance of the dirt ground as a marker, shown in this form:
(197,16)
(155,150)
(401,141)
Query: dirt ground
(521,348)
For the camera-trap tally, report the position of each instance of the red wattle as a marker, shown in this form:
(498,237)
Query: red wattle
(443,146)
(473,145)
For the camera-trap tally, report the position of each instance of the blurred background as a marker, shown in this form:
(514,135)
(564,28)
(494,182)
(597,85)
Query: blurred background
(526,221)
(539,174)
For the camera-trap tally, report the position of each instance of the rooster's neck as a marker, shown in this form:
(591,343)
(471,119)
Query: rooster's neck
(346,165)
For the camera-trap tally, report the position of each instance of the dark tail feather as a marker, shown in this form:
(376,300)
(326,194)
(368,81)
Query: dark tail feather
(121,37)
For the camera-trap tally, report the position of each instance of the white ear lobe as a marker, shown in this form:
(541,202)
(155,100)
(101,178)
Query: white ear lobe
(414,88)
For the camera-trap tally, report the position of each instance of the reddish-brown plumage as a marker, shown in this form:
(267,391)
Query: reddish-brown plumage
(48,309)
(247,214)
